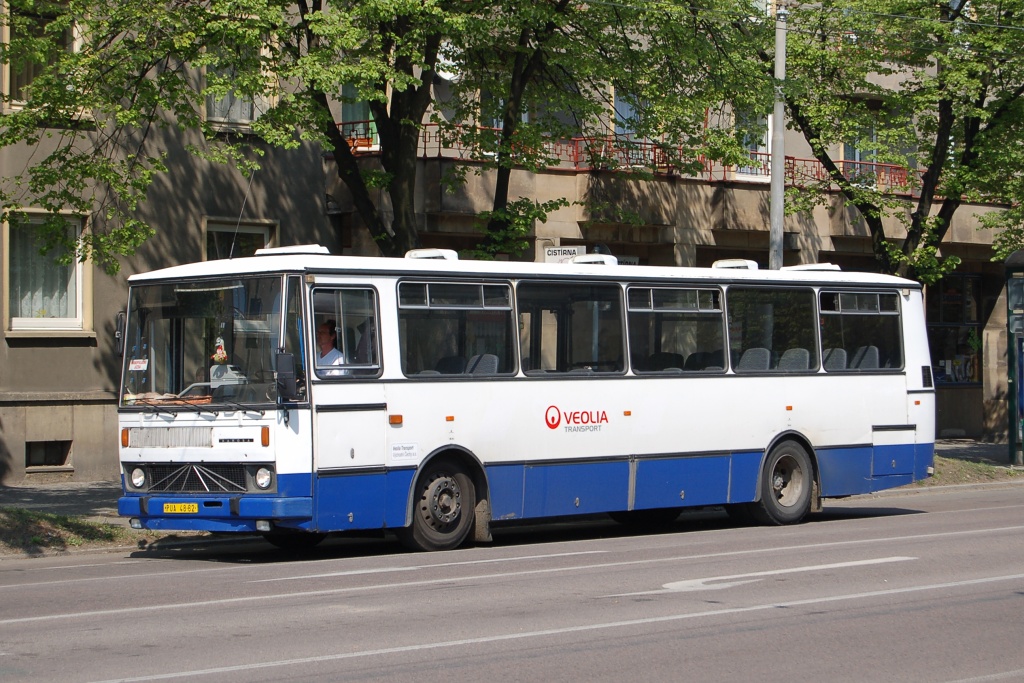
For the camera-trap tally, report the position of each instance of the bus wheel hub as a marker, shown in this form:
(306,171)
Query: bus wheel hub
(445,500)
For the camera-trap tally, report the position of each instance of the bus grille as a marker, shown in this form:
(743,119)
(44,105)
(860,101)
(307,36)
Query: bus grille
(197,478)
(170,437)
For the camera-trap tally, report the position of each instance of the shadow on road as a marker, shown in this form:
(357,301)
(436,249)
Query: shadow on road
(229,548)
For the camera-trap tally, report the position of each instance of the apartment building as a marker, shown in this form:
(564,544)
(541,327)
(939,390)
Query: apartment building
(59,361)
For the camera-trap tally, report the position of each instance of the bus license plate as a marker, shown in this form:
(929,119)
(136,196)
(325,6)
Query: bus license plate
(181,508)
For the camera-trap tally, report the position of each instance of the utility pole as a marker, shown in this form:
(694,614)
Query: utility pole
(778,167)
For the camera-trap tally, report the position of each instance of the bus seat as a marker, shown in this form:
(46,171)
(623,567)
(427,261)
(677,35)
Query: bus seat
(696,361)
(664,360)
(865,358)
(834,359)
(451,365)
(754,359)
(483,364)
(795,360)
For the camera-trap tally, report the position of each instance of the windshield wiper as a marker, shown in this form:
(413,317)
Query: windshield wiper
(239,406)
(155,407)
(196,407)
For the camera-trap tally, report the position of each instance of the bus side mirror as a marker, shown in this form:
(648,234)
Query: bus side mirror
(287,389)
(119,333)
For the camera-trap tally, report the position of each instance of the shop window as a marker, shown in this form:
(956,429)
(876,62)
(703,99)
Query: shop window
(954,329)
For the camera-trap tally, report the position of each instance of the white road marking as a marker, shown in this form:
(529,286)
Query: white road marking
(734,553)
(416,568)
(500,637)
(498,575)
(720,582)
(1004,676)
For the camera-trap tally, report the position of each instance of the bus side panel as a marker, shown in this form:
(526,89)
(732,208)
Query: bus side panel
(575,489)
(398,492)
(896,458)
(350,501)
(674,482)
(845,471)
(506,484)
(294,485)
(924,459)
(746,468)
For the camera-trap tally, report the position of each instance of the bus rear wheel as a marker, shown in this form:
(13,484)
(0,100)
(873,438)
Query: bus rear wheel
(786,486)
(444,509)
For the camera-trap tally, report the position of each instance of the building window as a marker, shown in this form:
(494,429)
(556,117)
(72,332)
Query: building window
(357,123)
(47,453)
(233,109)
(753,133)
(954,328)
(33,47)
(231,240)
(42,293)
(860,158)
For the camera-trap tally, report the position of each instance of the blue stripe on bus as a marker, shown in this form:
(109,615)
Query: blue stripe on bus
(866,469)
(363,501)
(379,499)
(674,482)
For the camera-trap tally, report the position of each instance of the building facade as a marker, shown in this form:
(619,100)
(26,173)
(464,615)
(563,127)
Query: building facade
(59,370)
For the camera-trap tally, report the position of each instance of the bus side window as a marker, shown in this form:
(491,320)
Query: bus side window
(455,329)
(772,329)
(577,328)
(860,331)
(345,319)
(675,330)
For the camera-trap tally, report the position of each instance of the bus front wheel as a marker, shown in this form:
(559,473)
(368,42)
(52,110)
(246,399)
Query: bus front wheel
(786,486)
(443,513)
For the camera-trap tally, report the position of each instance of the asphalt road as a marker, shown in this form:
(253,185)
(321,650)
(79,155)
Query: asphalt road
(920,587)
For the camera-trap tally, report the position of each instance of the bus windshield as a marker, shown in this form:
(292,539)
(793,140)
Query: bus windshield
(203,342)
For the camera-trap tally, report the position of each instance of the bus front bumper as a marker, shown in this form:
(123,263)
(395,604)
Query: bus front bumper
(216,513)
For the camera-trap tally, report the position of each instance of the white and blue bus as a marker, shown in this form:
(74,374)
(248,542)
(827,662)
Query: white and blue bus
(461,394)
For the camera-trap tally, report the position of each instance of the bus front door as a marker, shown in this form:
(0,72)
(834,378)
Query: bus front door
(348,456)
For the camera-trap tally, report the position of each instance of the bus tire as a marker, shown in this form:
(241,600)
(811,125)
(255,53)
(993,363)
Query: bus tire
(296,541)
(443,511)
(787,483)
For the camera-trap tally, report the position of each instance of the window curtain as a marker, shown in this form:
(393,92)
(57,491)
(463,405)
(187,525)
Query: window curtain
(40,288)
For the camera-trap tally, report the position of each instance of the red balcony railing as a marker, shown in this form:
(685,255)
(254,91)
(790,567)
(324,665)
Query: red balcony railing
(624,154)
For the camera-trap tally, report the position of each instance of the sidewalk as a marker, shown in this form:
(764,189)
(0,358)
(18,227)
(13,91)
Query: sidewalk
(95,500)
(98,500)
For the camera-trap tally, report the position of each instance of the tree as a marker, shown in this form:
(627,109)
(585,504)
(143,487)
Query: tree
(625,74)
(139,66)
(934,88)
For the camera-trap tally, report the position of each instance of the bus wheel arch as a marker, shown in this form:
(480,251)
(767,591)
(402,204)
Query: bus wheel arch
(448,502)
(787,484)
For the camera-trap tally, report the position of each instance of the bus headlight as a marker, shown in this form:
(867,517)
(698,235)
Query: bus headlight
(138,477)
(264,477)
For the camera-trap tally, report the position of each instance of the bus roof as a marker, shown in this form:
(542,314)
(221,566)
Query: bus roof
(295,260)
